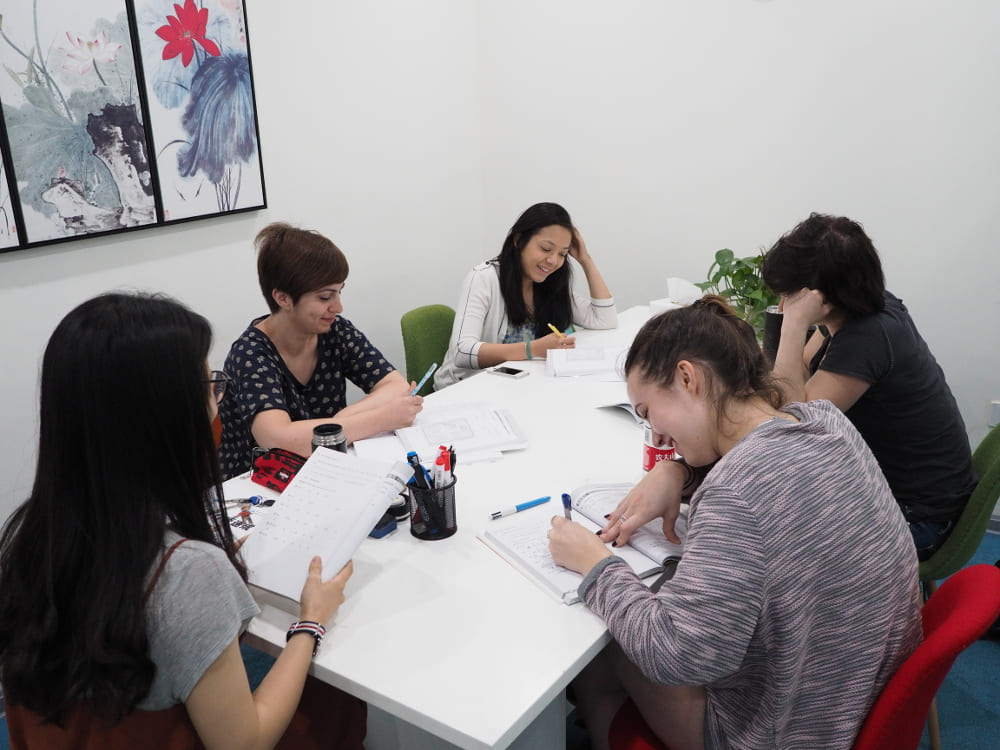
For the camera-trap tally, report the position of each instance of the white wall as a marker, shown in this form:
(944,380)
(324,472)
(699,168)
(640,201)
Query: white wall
(414,133)
(671,129)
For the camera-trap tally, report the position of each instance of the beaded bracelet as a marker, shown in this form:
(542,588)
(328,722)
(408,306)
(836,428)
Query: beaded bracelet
(314,629)
(527,348)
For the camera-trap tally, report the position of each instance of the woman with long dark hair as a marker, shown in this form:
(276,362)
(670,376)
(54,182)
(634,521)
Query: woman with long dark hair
(507,304)
(796,597)
(121,592)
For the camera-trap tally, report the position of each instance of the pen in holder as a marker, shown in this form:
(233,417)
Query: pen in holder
(432,511)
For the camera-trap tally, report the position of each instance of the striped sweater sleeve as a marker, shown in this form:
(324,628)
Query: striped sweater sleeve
(694,612)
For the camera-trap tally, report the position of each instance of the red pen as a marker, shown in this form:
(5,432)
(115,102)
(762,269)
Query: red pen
(447,467)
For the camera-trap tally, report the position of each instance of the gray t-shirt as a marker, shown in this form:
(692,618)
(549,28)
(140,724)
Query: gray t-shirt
(198,606)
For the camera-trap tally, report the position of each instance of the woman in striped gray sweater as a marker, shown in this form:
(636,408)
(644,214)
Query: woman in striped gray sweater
(796,598)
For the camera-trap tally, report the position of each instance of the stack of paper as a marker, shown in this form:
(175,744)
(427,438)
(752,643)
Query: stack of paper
(476,431)
(469,428)
(605,363)
(329,507)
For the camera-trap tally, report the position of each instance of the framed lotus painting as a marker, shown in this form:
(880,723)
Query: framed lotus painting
(123,114)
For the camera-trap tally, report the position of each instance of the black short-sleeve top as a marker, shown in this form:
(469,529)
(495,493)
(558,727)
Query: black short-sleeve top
(262,381)
(908,416)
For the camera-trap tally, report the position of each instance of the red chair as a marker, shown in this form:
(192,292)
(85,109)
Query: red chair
(629,731)
(960,611)
(217,430)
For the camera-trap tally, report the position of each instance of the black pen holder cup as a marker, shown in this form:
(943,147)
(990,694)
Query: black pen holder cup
(432,512)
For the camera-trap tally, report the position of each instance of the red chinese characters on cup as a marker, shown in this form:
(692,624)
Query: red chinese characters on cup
(652,453)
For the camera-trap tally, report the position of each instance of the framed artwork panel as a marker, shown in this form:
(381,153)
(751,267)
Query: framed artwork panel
(202,113)
(8,224)
(73,122)
(123,114)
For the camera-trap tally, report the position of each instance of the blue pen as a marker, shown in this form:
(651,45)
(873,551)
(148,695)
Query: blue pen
(419,472)
(567,505)
(518,508)
(430,371)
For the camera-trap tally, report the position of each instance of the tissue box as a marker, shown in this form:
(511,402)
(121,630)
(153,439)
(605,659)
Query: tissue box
(681,292)
(658,306)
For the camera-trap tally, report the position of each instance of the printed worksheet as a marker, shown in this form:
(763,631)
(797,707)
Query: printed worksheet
(469,428)
(330,506)
(603,363)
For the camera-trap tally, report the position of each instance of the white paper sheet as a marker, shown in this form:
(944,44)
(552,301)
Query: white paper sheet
(604,363)
(328,509)
(469,428)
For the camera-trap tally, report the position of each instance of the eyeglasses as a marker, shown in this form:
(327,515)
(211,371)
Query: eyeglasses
(220,382)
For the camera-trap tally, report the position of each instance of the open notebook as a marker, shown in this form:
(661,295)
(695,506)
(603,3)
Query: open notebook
(521,540)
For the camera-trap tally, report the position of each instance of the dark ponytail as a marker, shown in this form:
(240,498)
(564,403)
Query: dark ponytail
(710,334)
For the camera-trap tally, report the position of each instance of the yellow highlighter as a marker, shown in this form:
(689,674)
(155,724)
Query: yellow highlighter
(557,332)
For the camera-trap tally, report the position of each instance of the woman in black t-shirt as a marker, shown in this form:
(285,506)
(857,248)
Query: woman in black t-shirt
(869,359)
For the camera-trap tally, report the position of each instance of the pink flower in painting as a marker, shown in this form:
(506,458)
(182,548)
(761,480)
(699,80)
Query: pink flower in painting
(183,30)
(88,52)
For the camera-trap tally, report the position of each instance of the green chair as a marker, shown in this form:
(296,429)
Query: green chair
(971,526)
(426,332)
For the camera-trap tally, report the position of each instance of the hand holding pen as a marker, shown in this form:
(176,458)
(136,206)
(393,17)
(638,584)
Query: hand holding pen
(423,380)
(401,410)
(557,340)
(574,546)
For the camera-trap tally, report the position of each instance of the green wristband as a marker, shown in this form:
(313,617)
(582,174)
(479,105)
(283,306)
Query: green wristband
(527,348)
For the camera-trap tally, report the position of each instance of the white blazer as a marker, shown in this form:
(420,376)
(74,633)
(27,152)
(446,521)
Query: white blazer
(481,318)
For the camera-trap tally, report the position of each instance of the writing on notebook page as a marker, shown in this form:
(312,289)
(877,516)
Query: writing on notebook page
(522,540)
(328,509)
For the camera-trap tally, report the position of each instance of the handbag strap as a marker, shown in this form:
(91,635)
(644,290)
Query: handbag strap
(160,567)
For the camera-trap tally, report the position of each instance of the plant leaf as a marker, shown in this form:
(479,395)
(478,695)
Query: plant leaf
(724,256)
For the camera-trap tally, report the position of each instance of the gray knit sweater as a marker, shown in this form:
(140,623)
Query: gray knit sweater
(796,598)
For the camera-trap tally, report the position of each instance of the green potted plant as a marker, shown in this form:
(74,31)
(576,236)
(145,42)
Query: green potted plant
(738,281)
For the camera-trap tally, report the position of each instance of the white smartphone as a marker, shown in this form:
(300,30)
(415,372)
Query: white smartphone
(510,372)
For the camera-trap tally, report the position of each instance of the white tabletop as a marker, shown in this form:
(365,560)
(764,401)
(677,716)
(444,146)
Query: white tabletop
(445,634)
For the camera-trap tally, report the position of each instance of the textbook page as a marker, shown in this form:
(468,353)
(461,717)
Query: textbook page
(604,363)
(612,395)
(522,540)
(470,428)
(329,507)
(597,500)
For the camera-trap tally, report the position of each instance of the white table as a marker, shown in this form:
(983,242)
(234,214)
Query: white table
(444,639)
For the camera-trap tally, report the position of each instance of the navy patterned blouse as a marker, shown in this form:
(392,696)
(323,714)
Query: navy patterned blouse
(262,381)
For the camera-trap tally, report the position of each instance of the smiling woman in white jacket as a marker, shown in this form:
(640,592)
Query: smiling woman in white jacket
(509,305)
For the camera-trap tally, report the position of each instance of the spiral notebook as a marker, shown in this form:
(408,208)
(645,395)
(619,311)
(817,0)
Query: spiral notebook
(521,540)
